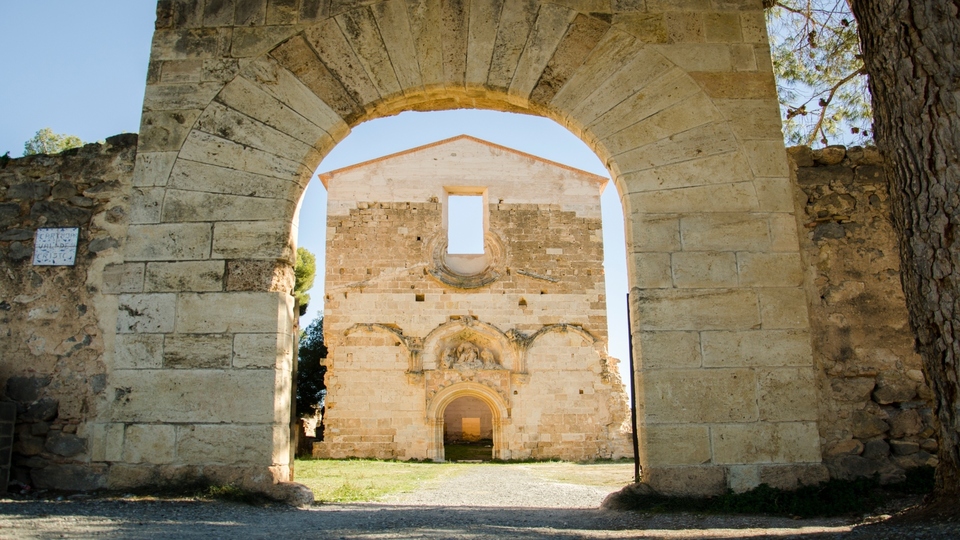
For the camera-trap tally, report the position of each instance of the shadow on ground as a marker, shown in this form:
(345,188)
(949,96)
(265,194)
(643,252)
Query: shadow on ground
(196,519)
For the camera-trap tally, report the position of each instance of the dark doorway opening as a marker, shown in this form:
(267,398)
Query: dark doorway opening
(468,430)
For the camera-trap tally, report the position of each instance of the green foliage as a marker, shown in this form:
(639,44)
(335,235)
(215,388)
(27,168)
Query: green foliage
(48,142)
(831,498)
(305,270)
(820,75)
(311,390)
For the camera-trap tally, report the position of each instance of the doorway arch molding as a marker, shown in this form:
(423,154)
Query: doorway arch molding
(443,398)
(243,100)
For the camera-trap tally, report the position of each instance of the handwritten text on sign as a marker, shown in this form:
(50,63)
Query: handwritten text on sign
(56,247)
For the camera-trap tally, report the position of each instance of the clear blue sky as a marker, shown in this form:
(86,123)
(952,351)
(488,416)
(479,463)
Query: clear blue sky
(79,68)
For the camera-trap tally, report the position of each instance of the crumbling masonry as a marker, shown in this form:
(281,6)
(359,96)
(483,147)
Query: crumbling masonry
(164,354)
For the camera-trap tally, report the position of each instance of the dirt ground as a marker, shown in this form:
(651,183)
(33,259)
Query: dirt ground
(526,501)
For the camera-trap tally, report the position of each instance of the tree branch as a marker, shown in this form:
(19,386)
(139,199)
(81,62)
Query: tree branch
(818,127)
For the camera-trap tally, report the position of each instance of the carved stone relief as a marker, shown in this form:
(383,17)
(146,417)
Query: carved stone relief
(469,356)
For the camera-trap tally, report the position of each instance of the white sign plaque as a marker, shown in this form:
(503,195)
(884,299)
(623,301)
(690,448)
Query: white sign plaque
(56,247)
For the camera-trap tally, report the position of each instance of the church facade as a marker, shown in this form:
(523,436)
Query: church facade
(433,342)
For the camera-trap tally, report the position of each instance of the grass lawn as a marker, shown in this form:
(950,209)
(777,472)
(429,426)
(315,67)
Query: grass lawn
(355,480)
(366,480)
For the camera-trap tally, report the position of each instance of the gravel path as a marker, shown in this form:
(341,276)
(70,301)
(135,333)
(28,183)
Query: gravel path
(483,502)
(499,486)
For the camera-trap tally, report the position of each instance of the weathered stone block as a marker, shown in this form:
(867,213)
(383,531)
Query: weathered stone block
(189,396)
(262,351)
(772,348)
(106,442)
(138,351)
(272,276)
(687,481)
(124,476)
(770,269)
(652,270)
(876,450)
(762,442)
(732,197)
(70,477)
(906,423)
(704,270)
(186,276)
(725,232)
(123,278)
(146,313)
(234,445)
(653,233)
(145,204)
(65,444)
(696,309)
(783,308)
(767,158)
(865,425)
(844,447)
(904,448)
(164,132)
(235,312)
(168,241)
(851,467)
(669,350)
(742,478)
(146,443)
(206,351)
(892,388)
(190,175)
(720,27)
(716,169)
(253,240)
(676,445)
(183,206)
(699,396)
(775,194)
(787,395)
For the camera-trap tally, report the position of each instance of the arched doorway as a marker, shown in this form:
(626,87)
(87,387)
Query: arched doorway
(242,104)
(467,430)
(467,398)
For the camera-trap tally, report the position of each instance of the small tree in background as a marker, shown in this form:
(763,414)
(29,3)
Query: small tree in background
(305,271)
(311,390)
(48,142)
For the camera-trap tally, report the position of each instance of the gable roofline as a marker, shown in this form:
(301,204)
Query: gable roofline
(327,176)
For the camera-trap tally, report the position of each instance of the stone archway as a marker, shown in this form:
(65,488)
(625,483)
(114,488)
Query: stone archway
(244,99)
(443,398)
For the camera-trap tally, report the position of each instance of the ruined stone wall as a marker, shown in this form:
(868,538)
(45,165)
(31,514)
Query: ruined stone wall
(392,315)
(875,407)
(52,318)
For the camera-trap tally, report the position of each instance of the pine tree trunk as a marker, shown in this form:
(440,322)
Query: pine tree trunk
(911,53)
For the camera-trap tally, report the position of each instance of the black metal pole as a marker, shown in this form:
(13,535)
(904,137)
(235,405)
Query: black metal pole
(633,398)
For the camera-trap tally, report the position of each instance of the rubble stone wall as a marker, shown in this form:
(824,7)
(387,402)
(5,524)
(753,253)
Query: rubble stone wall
(875,407)
(52,318)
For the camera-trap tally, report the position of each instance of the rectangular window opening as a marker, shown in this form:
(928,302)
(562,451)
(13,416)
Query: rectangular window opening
(465,224)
